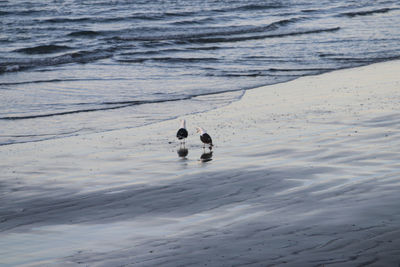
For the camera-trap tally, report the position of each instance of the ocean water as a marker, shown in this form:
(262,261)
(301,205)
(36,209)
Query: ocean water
(77,67)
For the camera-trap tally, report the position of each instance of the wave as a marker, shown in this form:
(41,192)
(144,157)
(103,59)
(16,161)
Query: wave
(253,7)
(171,50)
(43,49)
(310,10)
(116,105)
(155,55)
(66,20)
(228,74)
(299,69)
(256,37)
(97,19)
(169,60)
(136,16)
(363,59)
(366,12)
(273,72)
(219,31)
(58,113)
(23,12)
(193,21)
(57,80)
(18,64)
(108,106)
(84,33)
(160,15)
(285,22)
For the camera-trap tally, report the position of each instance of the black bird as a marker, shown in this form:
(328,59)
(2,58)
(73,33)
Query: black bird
(205,138)
(182,133)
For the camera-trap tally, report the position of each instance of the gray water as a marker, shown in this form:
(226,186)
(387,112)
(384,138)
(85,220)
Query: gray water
(76,67)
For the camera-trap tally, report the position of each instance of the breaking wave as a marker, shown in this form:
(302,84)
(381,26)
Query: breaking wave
(43,49)
(18,64)
(366,12)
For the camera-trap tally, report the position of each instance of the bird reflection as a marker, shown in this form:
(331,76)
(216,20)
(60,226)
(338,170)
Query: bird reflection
(206,156)
(183,152)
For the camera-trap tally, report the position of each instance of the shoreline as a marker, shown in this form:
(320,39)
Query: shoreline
(232,99)
(303,172)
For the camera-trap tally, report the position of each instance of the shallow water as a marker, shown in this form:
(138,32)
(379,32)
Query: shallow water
(74,67)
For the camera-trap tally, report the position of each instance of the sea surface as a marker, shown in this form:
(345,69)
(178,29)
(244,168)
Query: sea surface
(77,67)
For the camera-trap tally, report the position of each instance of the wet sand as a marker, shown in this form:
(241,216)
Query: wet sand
(304,173)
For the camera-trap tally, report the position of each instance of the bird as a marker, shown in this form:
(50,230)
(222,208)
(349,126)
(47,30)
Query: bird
(205,138)
(182,133)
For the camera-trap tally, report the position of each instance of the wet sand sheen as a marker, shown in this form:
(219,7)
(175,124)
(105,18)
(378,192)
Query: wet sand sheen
(303,173)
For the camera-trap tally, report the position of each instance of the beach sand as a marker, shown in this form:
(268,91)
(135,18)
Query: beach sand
(303,173)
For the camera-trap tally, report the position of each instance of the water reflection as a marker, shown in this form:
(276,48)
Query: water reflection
(183,152)
(206,156)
